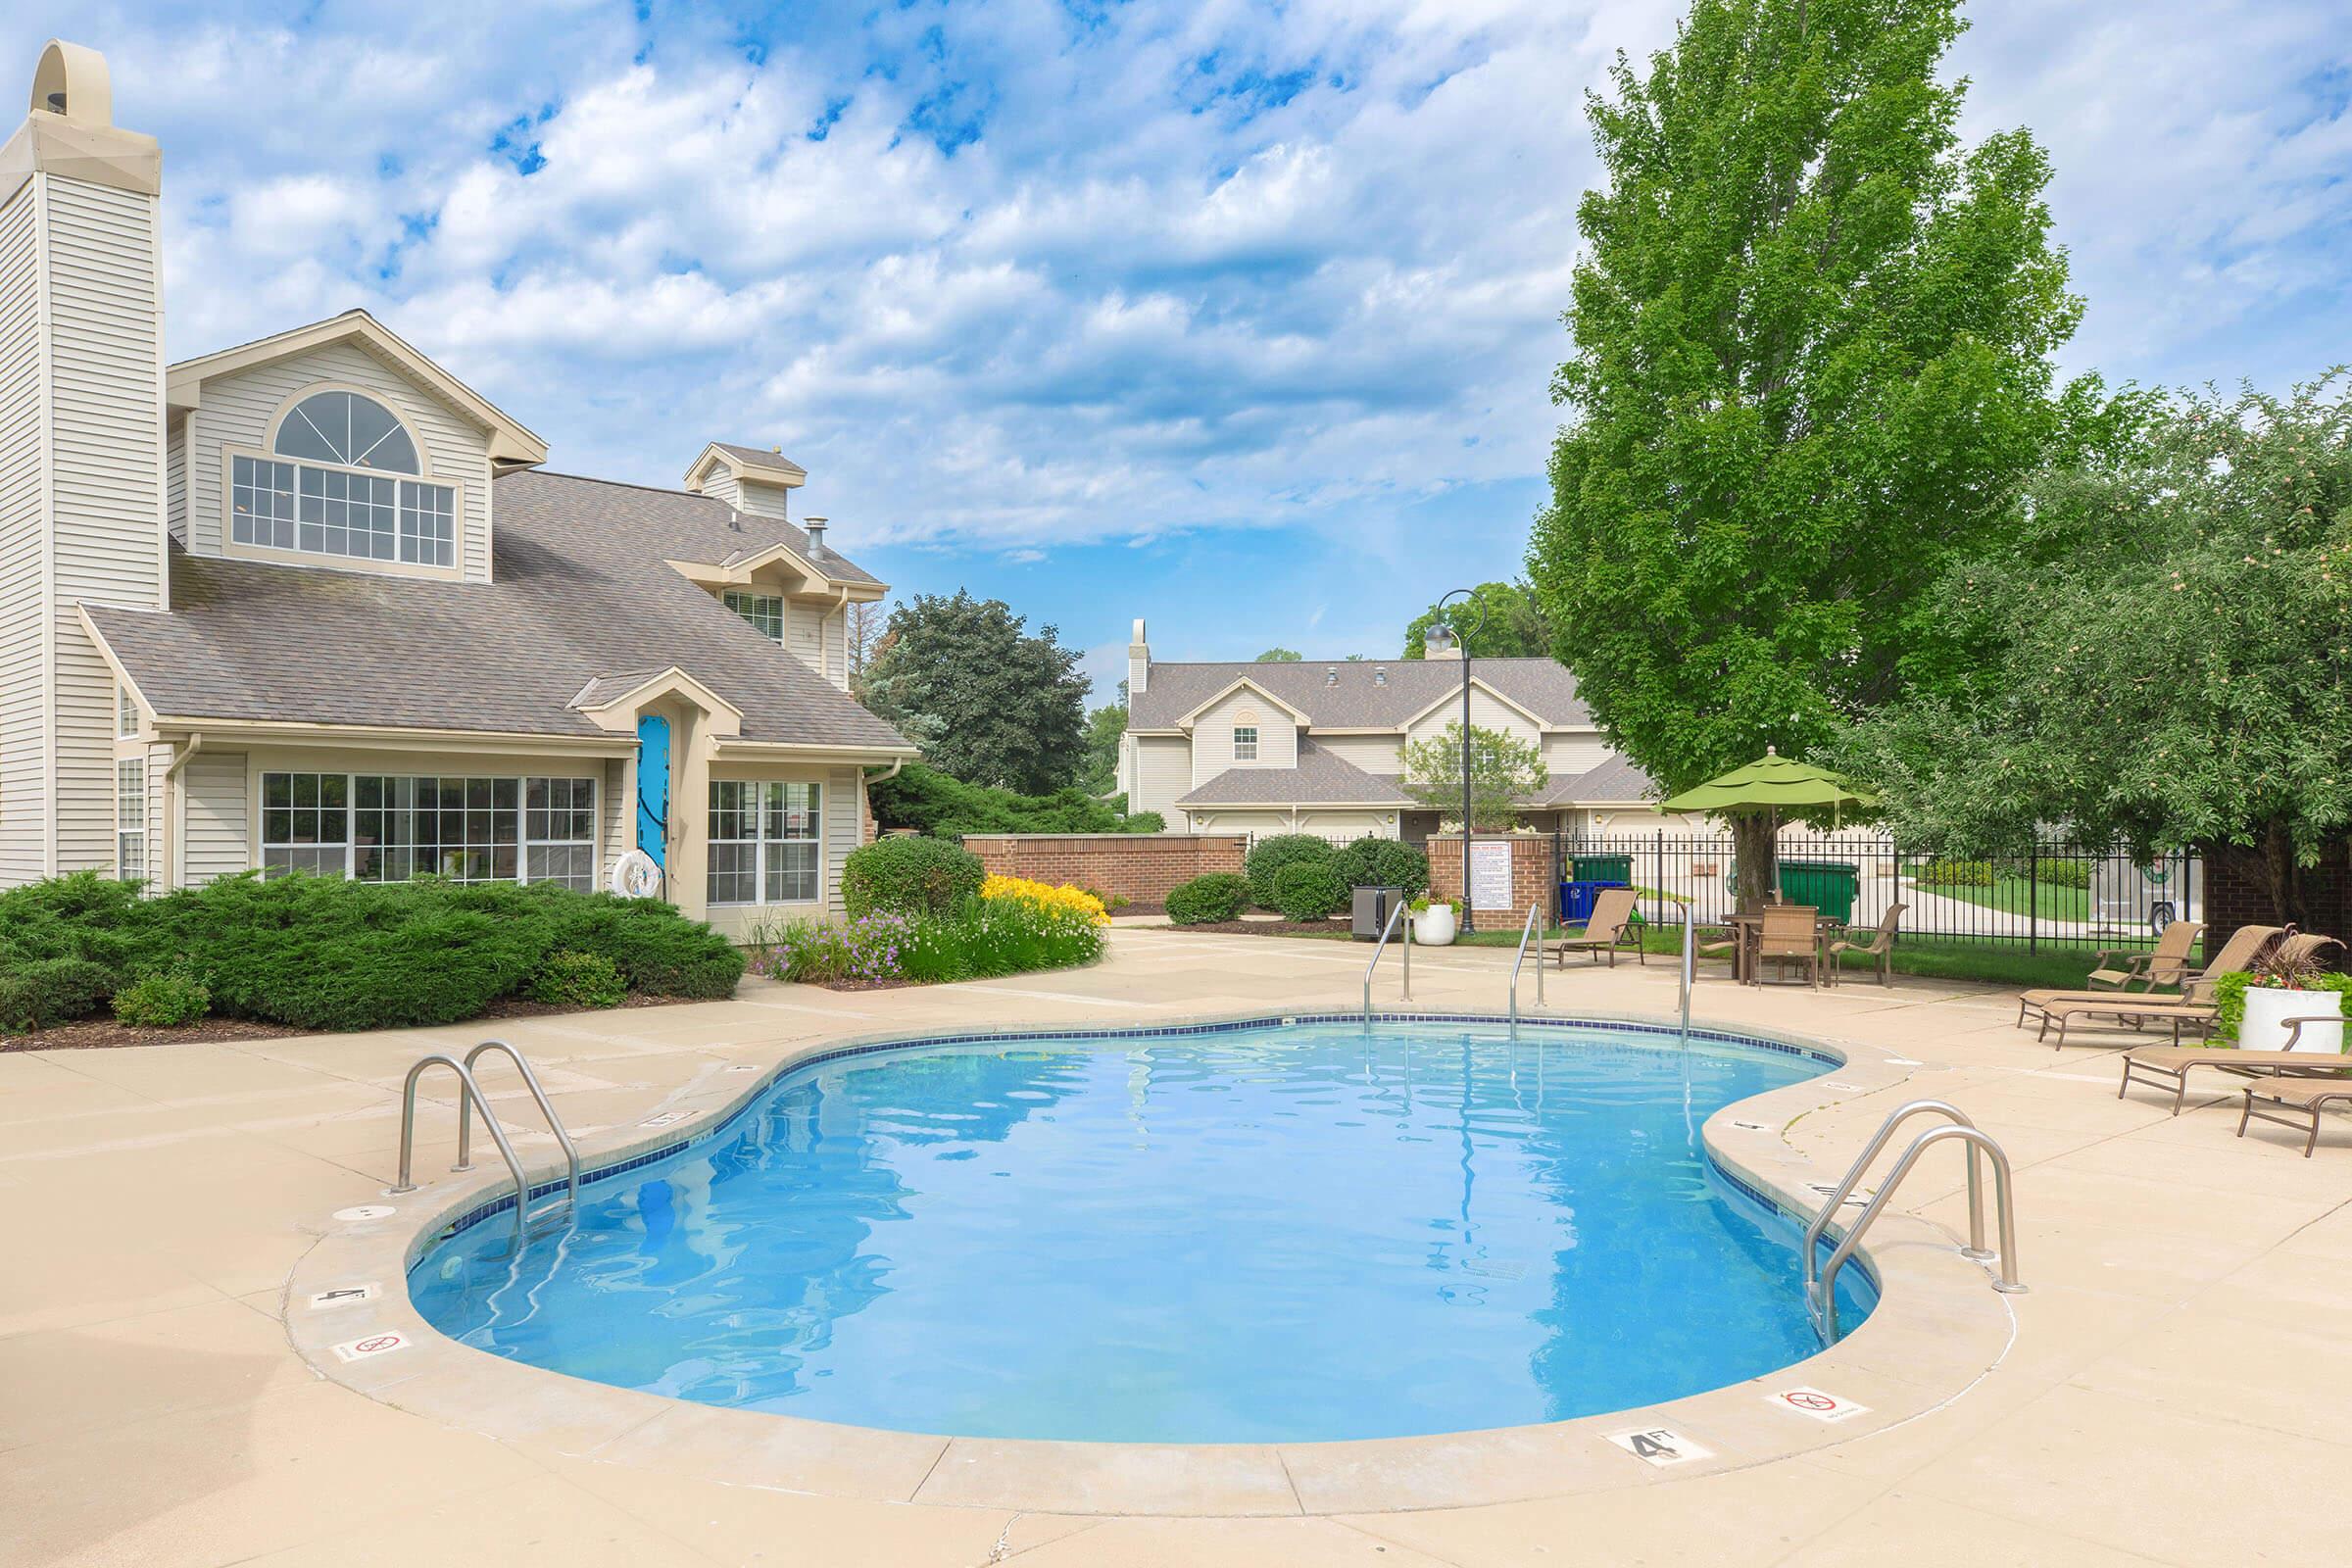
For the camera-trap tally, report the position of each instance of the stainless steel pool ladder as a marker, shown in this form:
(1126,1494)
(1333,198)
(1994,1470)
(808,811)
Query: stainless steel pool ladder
(1821,1289)
(1406,941)
(1535,912)
(469,1098)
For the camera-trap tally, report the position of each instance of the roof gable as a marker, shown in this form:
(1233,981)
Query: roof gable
(1244,683)
(1368,695)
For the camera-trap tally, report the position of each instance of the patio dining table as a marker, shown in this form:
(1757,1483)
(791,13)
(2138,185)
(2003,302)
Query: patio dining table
(1749,927)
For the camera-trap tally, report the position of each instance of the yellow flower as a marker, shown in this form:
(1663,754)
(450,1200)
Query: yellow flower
(1046,896)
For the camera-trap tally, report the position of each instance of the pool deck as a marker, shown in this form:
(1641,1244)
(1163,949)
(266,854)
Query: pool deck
(2177,1387)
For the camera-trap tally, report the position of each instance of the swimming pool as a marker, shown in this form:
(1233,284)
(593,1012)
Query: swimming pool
(1257,1234)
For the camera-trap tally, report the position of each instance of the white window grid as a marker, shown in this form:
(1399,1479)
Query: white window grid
(766,842)
(126,712)
(389,828)
(765,612)
(130,820)
(1245,743)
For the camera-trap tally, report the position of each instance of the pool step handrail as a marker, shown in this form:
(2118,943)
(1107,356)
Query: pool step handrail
(554,1123)
(1821,1293)
(1689,972)
(1527,932)
(1406,943)
(468,1091)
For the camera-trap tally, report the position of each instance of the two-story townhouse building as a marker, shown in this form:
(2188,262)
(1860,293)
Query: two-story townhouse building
(312,604)
(1307,747)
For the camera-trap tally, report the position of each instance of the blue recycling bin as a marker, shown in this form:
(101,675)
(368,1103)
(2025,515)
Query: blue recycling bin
(1577,896)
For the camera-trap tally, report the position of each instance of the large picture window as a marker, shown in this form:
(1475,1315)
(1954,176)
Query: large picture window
(332,487)
(764,841)
(388,828)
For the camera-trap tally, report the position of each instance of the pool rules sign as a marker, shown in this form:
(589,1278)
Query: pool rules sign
(1490,875)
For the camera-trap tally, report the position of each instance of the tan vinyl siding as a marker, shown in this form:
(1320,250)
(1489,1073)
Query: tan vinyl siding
(1163,770)
(175,481)
(238,410)
(803,633)
(836,630)
(216,832)
(757,500)
(1568,755)
(24,726)
(1484,714)
(1374,754)
(841,832)
(107,475)
(720,485)
(1213,736)
(618,827)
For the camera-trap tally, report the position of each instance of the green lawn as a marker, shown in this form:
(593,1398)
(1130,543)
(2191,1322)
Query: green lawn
(2016,895)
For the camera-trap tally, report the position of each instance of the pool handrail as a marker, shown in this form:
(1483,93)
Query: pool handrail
(1395,915)
(1534,912)
(467,1089)
(1870,1152)
(1823,1302)
(554,1123)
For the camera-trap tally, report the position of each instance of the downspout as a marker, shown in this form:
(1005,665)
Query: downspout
(866,804)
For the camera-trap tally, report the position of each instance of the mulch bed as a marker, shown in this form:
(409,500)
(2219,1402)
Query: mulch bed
(105,1034)
(1264,928)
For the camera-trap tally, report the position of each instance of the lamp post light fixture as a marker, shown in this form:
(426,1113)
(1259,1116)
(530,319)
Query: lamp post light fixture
(1447,637)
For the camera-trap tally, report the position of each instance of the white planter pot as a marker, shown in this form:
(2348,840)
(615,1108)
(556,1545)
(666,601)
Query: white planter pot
(1433,927)
(2264,1027)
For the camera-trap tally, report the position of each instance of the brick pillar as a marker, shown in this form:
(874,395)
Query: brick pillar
(1531,872)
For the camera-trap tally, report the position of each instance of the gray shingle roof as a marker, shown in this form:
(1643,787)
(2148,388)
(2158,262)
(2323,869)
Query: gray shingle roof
(1616,779)
(1347,696)
(580,593)
(1320,779)
(763,455)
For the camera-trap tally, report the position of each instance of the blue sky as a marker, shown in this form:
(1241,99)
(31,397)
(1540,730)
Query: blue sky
(1235,316)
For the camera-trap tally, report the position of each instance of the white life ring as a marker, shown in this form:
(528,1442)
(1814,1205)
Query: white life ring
(636,876)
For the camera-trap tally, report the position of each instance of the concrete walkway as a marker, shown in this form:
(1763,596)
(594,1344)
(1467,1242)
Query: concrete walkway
(2179,1389)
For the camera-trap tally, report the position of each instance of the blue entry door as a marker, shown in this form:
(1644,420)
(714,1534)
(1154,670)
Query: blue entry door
(652,786)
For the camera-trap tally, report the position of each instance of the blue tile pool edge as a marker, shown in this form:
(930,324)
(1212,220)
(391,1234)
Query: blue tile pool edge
(434,1234)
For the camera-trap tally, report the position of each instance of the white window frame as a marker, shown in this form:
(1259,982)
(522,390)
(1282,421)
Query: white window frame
(130,820)
(752,608)
(126,712)
(316,847)
(405,809)
(1245,750)
(416,516)
(765,806)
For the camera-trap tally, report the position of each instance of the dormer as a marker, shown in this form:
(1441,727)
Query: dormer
(791,589)
(752,482)
(336,444)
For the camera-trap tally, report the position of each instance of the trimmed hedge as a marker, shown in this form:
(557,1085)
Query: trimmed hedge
(571,979)
(1375,863)
(319,953)
(1308,890)
(1207,900)
(907,875)
(1267,860)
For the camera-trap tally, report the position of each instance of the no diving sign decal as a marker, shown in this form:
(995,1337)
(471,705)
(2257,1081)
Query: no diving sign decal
(374,1346)
(1814,1402)
(1662,1447)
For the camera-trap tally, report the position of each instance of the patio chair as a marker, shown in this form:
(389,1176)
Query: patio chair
(1789,932)
(2122,969)
(2294,1102)
(2245,946)
(1720,943)
(2169,1066)
(2194,1008)
(1609,927)
(1880,946)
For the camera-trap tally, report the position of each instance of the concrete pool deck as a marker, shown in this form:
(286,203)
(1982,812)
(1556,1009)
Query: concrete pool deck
(155,1408)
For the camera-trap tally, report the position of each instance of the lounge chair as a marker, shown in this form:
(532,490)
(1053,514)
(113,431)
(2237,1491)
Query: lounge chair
(2122,969)
(2169,1066)
(2194,1008)
(2245,946)
(1610,926)
(2294,1102)
(1880,946)
(1789,932)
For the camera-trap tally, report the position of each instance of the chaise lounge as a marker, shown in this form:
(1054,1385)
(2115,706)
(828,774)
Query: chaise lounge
(1612,926)
(2297,1103)
(2246,944)
(2169,1066)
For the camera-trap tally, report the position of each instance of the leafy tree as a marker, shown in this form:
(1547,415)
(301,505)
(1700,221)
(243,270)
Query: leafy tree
(865,627)
(1811,368)
(1105,726)
(1281,655)
(930,802)
(2165,654)
(1515,626)
(983,699)
(1502,769)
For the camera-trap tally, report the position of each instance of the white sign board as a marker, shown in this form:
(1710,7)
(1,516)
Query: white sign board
(1490,875)
(1661,1447)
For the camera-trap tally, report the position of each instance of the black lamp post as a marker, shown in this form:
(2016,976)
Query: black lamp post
(1441,638)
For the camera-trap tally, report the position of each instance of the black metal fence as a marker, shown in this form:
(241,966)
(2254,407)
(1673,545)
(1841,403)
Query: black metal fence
(2055,895)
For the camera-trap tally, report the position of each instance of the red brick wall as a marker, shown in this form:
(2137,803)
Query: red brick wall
(2238,892)
(1138,867)
(1530,872)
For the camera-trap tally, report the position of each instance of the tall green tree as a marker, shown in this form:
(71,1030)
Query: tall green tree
(1811,366)
(1513,624)
(1106,727)
(1281,655)
(985,700)
(2165,655)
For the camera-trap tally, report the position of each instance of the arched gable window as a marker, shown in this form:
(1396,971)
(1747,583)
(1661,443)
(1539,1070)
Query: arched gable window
(341,494)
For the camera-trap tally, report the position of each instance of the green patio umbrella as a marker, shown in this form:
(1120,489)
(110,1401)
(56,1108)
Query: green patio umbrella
(1772,784)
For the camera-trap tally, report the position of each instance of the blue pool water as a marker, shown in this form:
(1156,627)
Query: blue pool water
(1285,1233)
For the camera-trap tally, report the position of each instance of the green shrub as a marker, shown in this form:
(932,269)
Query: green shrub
(2057,873)
(907,875)
(940,806)
(48,991)
(1307,890)
(1271,856)
(985,937)
(657,949)
(163,999)
(1376,863)
(2230,998)
(1204,899)
(570,978)
(1956,875)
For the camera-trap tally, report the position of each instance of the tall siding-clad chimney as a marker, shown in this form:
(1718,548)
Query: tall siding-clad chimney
(1139,661)
(81,454)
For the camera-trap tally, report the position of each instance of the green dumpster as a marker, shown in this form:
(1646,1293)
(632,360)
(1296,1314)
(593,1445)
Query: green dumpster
(1829,886)
(1617,868)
